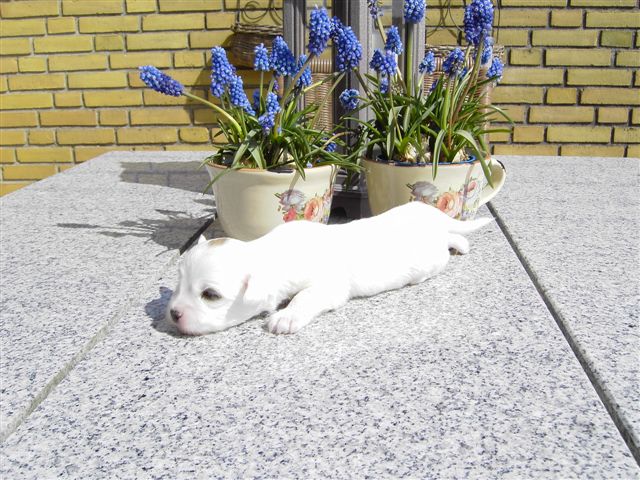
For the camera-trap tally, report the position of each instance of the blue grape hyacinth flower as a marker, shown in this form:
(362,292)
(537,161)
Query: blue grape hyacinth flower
(487,52)
(305,77)
(428,64)
(261,60)
(256,99)
(454,63)
(282,60)
(495,71)
(478,21)
(383,64)
(238,96)
(319,31)
(374,9)
(414,10)
(348,48)
(272,105)
(349,99)
(160,82)
(393,43)
(267,121)
(384,84)
(331,147)
(222,72)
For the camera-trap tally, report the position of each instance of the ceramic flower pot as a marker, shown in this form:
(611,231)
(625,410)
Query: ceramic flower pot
(458,189)
(250,203)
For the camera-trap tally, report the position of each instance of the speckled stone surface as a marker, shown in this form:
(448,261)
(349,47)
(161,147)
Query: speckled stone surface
(77,248)
(578,227)
(463,376)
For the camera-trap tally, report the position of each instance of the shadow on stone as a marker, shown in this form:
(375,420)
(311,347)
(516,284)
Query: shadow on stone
(187,176)
(156,309)
(171,232)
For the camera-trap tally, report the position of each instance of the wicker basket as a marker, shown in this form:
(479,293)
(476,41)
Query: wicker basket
(321,69)
(241,44)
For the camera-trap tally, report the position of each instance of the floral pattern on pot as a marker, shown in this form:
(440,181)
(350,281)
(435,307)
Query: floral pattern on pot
(295,206)
(460,204)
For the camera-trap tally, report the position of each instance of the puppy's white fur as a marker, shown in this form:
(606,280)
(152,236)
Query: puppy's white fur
(299,261)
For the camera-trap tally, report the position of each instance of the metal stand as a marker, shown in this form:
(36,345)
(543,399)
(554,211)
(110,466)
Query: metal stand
(355,13)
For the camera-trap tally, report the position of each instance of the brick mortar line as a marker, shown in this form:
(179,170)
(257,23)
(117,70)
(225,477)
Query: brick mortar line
(602,391)
(97,337)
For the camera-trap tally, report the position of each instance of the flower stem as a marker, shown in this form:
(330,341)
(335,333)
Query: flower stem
(362,82)
(219,110)
(261,88)
(292,85)
(408,57)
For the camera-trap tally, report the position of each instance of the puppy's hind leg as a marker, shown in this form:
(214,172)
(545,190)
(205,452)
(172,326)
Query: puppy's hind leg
(306,305)
(458,242)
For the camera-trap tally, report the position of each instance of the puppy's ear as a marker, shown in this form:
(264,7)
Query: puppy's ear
(201,239)
(256,290)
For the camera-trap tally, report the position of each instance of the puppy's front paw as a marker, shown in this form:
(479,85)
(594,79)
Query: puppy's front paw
(284,322)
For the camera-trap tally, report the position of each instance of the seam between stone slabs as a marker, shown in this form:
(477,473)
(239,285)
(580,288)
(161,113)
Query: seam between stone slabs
(95,339)
(604,394)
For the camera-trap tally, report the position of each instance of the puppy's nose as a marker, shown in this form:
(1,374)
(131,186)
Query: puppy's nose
(175,314)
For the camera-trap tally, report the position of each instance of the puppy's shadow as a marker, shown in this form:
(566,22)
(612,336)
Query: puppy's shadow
(156,310)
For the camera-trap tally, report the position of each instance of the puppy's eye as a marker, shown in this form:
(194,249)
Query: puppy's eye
(210,295)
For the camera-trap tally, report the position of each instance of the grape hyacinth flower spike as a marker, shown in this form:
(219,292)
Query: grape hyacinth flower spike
(383,64)
(487,53)
(478,21)
(349,99)
(393,43)
(414,10)
(454,63)
(384,85)
(348,48)
(428,63)
(160,82)
(305,77)
(374,9)
(495,71)
(268,119)
(222,72)
(319,31)
(261,61)
(238,96)
(282,60)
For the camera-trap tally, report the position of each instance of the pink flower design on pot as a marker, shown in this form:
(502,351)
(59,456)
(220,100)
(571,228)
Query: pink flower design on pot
(290,215)
(450,203)
(314,209)
(472,189)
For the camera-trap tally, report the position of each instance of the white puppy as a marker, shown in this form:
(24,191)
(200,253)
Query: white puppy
(224,282)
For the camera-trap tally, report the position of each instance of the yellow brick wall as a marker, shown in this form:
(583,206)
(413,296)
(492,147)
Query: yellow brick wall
(69,88)
(70,91)
(571,81)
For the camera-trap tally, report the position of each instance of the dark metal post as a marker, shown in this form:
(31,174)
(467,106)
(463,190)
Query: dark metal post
(355,14)
(294,19)
(294,16)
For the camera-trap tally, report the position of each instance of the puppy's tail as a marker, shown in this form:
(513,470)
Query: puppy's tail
(468,226)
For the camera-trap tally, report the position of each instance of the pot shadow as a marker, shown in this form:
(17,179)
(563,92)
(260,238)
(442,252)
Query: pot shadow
(171,232)
(187,176)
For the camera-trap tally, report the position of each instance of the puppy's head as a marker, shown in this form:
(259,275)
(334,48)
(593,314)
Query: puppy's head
(211,285)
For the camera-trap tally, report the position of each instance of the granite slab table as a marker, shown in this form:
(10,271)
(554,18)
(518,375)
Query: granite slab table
(518,362)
